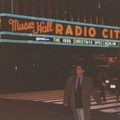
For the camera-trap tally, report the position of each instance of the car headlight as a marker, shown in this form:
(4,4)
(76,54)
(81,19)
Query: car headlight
(107,81)
(113,86)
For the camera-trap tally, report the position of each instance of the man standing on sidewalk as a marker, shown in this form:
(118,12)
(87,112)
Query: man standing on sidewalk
(77,94)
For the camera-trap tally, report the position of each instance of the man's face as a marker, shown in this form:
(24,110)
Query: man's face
(79,71)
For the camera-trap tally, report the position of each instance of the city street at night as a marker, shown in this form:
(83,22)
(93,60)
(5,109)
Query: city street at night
(48,46)
(48,105)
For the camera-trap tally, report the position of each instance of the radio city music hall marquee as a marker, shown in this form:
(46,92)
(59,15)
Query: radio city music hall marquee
(58,30)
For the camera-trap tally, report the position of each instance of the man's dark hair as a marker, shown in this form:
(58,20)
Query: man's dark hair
(82,66)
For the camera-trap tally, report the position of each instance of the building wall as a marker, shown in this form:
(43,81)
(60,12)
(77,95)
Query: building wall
(88,11)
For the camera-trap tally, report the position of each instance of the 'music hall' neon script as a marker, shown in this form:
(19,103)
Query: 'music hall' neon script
(42,27)
(64,29)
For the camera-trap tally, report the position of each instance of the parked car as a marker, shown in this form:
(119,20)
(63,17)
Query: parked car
(111,85)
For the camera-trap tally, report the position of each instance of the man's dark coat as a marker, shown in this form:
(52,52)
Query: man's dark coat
(87,90)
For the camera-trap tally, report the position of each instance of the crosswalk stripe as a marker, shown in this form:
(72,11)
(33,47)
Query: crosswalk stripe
(111,110)
(54,100)
(60,103)
(105,106)
(108,101)
(110,97)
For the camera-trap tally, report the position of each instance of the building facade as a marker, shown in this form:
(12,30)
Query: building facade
(43,39)
(104,12)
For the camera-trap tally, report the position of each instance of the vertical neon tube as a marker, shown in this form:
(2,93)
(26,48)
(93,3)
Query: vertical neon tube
(99,5)
(12,6)
(2,6)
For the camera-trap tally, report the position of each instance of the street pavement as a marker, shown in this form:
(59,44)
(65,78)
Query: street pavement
(48,105)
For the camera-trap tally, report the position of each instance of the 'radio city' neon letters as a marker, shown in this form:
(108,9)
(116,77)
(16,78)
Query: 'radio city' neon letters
(110,33)
(77,31)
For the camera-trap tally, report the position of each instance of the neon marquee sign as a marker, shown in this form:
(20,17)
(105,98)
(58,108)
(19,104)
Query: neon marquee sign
(75,32)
